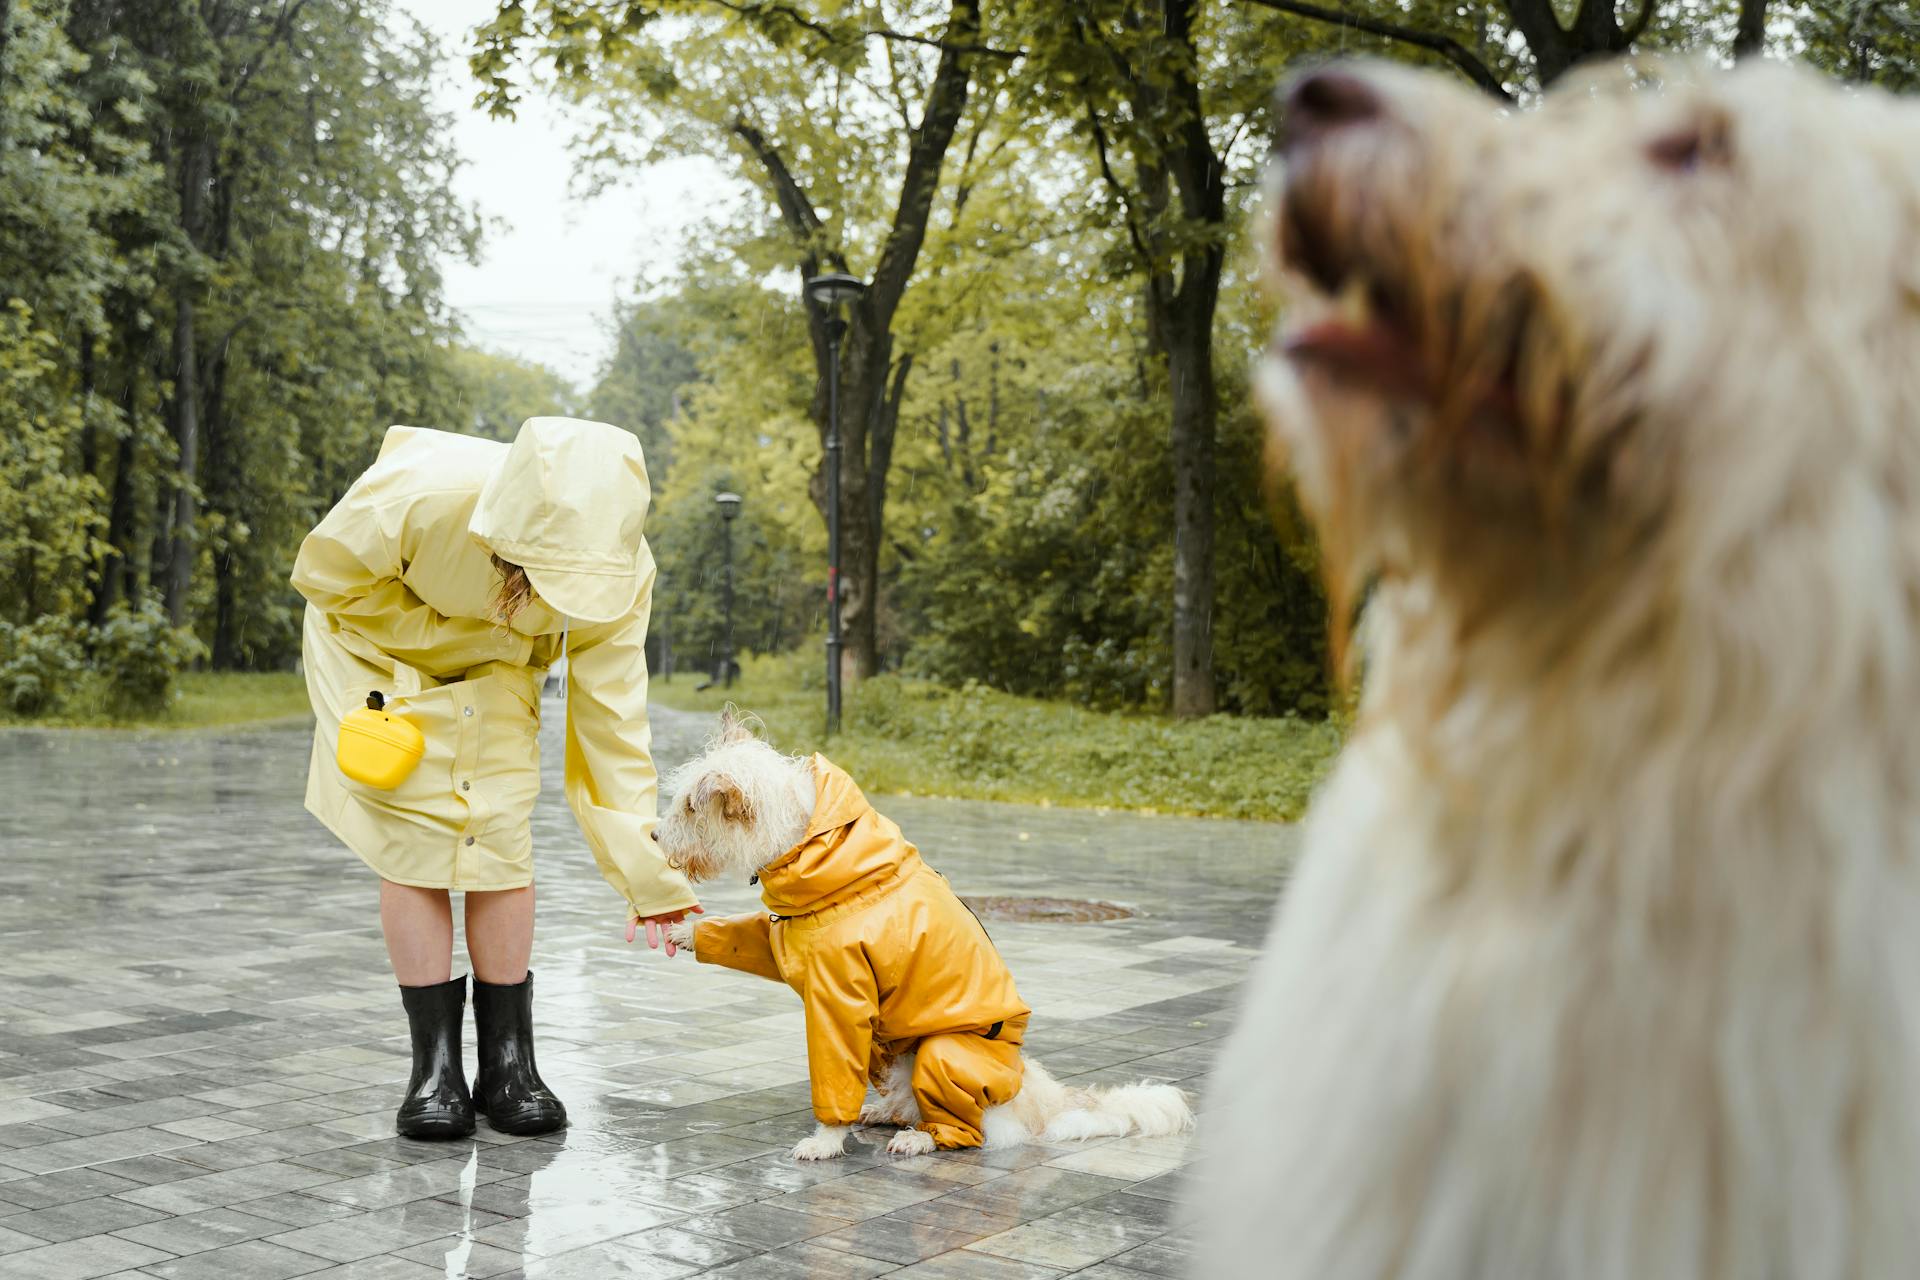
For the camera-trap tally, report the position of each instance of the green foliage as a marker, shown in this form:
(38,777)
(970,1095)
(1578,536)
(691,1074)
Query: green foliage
(907,736)
(40,663)
(50,515)
(57,666)
(258,195)
(137,656)
(497,393)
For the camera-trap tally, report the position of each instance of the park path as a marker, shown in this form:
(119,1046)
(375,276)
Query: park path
(200,1046)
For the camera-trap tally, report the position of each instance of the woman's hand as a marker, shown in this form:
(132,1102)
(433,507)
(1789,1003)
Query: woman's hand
(657,927)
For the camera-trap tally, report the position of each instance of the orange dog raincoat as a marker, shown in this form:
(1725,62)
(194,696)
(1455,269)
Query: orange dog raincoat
(887,961)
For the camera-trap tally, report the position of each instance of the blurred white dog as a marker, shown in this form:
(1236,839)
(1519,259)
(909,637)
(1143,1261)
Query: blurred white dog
(1603,959)
(901,985)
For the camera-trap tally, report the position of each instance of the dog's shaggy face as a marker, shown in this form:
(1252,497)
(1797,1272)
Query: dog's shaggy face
(736,807)
(1597,349)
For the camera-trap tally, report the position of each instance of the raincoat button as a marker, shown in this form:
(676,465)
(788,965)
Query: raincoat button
(469,839)
(466,786)
(466,711)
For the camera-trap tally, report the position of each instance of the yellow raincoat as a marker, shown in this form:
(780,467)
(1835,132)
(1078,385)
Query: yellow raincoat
(886,960)
(399,582)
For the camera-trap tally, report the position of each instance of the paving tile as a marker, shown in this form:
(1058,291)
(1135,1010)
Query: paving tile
(975,1266)
(12,1241)
(200,1232)
(82,1259)
(74,1153)
(235,1186)
(388,1267)
(560,1230)
(898,1240)
(249,1260)
(797,1260)
(678,1247)
(98,1216)
(364,1235)
(62,1188)
(462,1257)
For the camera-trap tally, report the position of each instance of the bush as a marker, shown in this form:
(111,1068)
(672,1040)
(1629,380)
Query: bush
(41,663)
(62,667)
(137,656)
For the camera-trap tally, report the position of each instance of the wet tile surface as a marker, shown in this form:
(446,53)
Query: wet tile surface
(201,1047)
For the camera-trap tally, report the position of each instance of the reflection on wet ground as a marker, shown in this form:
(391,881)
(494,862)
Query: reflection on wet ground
(200,1047)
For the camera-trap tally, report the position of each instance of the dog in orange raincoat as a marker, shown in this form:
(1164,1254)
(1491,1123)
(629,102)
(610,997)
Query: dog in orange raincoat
(902,987)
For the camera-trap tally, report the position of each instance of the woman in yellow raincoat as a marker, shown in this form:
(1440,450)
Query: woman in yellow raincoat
(450,576)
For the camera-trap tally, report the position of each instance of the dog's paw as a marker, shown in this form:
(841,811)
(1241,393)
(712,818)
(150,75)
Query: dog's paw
(910,1142)
(821,1146)
(680,934)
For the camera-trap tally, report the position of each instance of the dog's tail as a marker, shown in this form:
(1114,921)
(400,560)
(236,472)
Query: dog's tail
(1066,1113)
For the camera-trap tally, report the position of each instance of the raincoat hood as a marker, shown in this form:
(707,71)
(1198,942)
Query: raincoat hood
(567,504)
(849,848)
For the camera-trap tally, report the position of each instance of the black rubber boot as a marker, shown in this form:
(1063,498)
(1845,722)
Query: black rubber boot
(507,1087)
(437,1103)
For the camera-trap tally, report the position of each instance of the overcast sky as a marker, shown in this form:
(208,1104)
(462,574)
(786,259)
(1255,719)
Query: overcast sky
(549,272)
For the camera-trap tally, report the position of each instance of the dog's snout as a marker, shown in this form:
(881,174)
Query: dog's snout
(1326,102)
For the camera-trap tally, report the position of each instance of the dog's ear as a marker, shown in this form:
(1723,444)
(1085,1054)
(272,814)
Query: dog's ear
(736,725)
(722,788)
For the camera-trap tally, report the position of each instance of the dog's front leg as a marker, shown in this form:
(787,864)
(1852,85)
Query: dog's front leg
(826,1142)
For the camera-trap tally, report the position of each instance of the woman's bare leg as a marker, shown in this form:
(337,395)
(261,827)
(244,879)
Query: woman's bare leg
(500,935)
(419,928)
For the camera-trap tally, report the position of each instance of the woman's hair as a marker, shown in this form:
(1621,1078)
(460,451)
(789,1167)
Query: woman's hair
(514,592)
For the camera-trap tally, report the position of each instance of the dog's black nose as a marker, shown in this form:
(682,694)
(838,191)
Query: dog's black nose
(1323,103)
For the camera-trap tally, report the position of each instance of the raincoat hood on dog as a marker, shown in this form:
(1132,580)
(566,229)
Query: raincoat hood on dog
(848,849)
(567,504)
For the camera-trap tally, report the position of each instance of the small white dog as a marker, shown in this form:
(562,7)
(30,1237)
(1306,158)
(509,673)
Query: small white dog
(1603,957)
(903,989)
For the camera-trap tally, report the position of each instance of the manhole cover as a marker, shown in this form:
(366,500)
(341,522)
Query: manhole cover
(1046,910)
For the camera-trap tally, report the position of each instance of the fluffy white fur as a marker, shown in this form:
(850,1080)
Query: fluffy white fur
(742,804)
(1603,958)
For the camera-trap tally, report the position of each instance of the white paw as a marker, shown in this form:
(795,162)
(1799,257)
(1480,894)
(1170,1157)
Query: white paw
(910,1142)
(824,1145)
(680,934)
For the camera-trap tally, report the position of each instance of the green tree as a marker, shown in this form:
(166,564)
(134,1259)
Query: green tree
(842,124)
(497,393)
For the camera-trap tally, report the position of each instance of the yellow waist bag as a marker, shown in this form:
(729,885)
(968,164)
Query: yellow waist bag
(378,748)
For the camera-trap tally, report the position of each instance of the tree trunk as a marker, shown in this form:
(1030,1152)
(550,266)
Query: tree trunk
(1750,37)
(117,564)
(1195,412)
(1180,313)
(186,436)
(195,163)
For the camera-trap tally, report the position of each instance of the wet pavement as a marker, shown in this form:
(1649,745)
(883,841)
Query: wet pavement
(201,1047)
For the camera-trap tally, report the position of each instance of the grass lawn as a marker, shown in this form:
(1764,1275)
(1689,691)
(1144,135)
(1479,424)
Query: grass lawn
(201,700)
(916,738)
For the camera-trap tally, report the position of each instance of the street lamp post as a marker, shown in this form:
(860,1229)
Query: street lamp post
(729,508)
(829,291)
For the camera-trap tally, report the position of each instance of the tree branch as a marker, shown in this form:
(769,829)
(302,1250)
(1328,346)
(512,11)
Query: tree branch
(1638,27)
(786,12)
(926,153)
(282,26)
(1446,46)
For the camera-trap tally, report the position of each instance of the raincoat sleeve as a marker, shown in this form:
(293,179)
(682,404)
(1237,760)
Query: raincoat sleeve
(738,942)
(842,1002)
(349,568)
(610,780)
